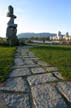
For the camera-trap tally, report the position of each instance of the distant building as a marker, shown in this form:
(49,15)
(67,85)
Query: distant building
(53,38)
(59,33)
(67,34)
(59,36)
(67,37)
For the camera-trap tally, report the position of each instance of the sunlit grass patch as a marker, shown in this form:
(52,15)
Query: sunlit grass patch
(59,56)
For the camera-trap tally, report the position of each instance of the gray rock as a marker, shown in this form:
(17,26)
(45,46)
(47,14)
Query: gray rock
(17,100)
(41,63)
(2,101)
(25,66)
(35,59)
(18,61)
(51,69)
(27,56)
(65,89)
(40,79)
(37,70)
(47,97)
(20,72)
(16,85)
(31,54)
(58,75)
(28,61)
(17,54)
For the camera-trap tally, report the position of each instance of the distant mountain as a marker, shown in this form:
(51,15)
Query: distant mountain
(29,35)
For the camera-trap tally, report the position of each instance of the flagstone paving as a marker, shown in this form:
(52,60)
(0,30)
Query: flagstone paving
(37,70)
(34,84)
(40,79)
(47,97)
(19,72)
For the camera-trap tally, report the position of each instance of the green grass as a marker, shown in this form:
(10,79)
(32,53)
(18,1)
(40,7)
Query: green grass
(6,61)
(59,56)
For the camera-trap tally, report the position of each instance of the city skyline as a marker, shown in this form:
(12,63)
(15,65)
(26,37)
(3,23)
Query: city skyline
(37,16)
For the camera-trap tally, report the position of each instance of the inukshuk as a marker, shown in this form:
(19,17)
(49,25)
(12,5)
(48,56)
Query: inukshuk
(12,28)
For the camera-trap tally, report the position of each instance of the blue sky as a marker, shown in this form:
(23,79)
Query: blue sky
(37,15)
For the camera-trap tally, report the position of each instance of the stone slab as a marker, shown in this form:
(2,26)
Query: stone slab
(25,66)
(28,61)
(51,69)
(27,53)
(17,100)
(65,89)
(26,47)
(32,58)
(35,59)
(2,102)
(27,56)
(24,50)
(17,54)
(47,97)
(24,54)
(31,53)
(41,63)
(58,75)
(41,78)
(37,70)
(20,72)
(18,61)
(15,85)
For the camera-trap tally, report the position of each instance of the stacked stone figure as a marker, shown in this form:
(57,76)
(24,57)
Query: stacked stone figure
(12,28)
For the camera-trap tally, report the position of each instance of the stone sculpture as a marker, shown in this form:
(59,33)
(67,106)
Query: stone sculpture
(12,28)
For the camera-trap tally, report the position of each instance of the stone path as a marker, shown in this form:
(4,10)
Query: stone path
(34,84)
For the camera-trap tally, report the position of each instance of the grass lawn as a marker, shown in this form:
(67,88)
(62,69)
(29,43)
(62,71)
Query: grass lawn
(6,61)
(59,56)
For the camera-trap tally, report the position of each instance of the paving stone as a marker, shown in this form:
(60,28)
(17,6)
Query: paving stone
(32,58)
(17,100)
(17,54)
(37,70)
(2,102)
(20,72)
(16,85)
(18,61)
(51,69)
(35,58)
(28,61)
(24,54)
(26,66)
(47,97)
(27,53)
(58,75)
(27,56)
(26,47)
(40,79)
(31,54)
(42,63)
(24,50)
(65,89)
